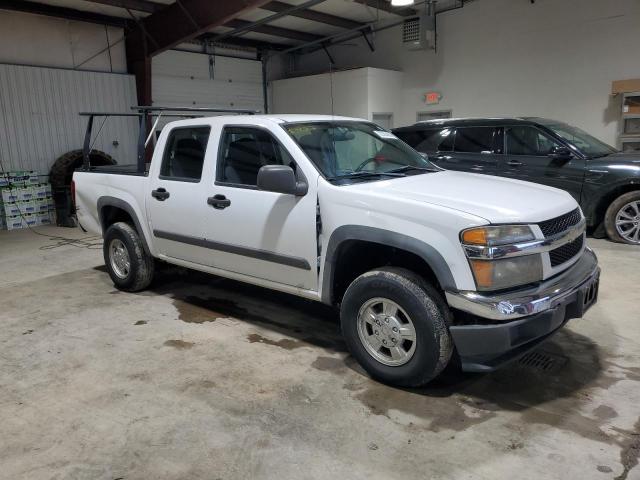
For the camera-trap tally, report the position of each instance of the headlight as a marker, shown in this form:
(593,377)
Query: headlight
(492,273)
(497,235)
(506,272)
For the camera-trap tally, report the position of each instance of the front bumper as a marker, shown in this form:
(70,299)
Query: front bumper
(515,322)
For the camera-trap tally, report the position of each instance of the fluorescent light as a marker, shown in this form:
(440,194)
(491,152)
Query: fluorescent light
(401,3)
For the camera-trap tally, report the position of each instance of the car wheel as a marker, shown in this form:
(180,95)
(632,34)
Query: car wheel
(129,266)
(397,326)
(622,220)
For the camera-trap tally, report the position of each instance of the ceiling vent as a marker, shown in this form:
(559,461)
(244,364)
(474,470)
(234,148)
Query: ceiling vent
(419,33)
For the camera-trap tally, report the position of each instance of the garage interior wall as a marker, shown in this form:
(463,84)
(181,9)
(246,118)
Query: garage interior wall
(360,92)
(29,39)
(199,80)
(504,57)
(39,118)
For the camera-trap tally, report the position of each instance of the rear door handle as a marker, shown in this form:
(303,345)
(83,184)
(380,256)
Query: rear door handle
(514,163)
(219,202)
(160,194)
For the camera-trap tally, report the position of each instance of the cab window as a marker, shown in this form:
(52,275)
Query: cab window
(244,150)
(183,156)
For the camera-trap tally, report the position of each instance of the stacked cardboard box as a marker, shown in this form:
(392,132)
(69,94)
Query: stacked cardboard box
(25,201)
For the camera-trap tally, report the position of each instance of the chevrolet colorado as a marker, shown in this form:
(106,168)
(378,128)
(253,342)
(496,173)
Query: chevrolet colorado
(425,264)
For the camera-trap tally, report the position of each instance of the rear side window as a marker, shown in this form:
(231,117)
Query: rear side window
(184,154)
(429,141)
(244,150)
(474,139)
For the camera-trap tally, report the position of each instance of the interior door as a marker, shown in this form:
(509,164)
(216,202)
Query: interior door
(475,149)
(177,201)
(258,233)
(527,158)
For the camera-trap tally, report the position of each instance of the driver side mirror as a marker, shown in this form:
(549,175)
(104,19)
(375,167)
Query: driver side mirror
(561,153)
(281,179)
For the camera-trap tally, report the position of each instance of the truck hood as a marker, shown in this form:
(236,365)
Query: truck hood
(496,199)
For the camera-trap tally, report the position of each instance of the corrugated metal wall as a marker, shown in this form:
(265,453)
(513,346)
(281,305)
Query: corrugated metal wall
(197,80)
(39,118)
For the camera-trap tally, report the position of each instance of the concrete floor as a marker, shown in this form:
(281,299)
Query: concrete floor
(205,378)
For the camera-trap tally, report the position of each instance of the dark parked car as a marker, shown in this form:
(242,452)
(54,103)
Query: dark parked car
(605,182)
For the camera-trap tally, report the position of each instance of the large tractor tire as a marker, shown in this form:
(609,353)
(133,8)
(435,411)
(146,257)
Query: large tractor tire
(60,177)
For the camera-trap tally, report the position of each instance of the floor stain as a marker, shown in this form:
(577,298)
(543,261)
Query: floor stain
(605,412)
(28,332)
(630,452)
(140,322)
(179,344)
(604,469)
(328,364)
(286,343)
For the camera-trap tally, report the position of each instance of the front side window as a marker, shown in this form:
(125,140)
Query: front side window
(349,149)
(527,140)
(474,140)
(184,154)
(244,150)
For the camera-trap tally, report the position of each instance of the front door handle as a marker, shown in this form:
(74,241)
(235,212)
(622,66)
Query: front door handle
(160,194)
(514,163)
(442,157)
(219,202)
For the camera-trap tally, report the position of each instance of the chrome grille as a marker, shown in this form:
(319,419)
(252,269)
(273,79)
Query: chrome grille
(566,252)
(560,224)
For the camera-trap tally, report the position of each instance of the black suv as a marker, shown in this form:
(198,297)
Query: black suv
(605,182)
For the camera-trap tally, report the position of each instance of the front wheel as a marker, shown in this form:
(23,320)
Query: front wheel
(129,266)
(622,220)
(396,325)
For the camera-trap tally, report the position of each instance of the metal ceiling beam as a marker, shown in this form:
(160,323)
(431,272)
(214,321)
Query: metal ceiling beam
(386,6)
(174,24)
(313,15)
(62,12)
(138,5)
(246,26)
(253,25)
(243,42)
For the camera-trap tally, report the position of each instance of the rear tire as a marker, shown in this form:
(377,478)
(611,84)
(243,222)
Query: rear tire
(417,335)
(129,266)
(622,220)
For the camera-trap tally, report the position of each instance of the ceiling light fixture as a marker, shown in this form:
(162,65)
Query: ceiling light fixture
(401,3)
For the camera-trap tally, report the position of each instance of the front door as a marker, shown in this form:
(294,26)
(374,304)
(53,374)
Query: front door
(470,149)
(253,232)
(527,158)
(177,202)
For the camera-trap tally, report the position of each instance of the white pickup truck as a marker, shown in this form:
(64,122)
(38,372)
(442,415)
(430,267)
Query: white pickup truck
(426,265)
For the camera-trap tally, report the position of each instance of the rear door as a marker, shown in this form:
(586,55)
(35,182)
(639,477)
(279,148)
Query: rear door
(527,158)
(177,202)
(475,149)
(262,234)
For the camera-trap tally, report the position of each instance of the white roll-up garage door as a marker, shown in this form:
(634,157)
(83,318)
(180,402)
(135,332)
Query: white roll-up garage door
(198,80)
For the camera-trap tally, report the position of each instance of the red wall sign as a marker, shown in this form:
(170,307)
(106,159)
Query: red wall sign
(432,97)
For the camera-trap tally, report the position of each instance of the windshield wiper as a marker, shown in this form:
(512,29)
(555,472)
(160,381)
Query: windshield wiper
(409,168)
(366,175)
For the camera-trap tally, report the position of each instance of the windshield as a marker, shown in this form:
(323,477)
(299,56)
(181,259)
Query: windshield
(343,149)
(588,145)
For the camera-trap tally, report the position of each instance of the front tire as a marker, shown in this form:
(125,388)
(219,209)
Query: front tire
(396,325)
(622,220)
(129,266)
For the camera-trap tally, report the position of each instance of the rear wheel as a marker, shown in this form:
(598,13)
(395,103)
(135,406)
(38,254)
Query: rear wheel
(396,326)
(622,220)
(129,266)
